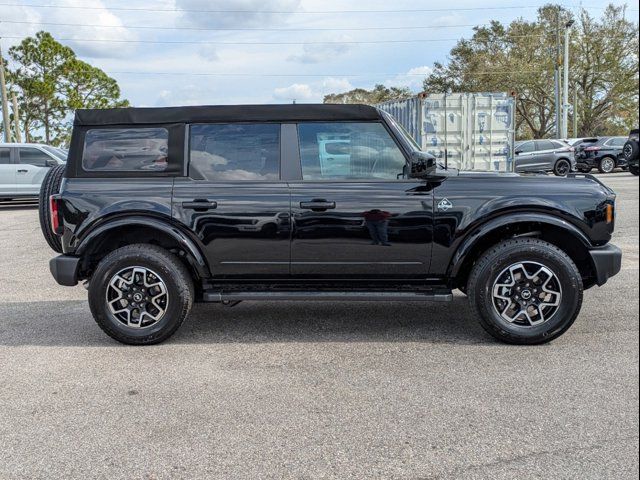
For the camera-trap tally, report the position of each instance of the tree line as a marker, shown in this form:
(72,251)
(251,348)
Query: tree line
(51,82)
(520,57)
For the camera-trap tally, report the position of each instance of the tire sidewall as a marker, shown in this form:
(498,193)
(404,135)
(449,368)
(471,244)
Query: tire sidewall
(570,282)
(97,297)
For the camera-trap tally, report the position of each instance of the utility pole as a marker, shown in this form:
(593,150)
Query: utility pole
(575,111)
(556,79)
(565,106)
(5,103)
(16,118)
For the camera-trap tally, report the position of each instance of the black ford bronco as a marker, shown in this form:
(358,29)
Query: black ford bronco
(158,208)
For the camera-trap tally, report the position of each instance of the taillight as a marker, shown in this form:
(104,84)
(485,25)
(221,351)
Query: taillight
(55,215)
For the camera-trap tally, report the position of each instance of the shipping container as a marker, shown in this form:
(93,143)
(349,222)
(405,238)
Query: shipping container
(470,131)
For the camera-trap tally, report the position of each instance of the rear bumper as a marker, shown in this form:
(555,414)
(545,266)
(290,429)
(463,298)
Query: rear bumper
(607,262)
(64,269)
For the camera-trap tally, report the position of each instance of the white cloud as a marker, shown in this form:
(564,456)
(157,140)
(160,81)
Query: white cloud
(413,79)
(209,52)
(336,85)
(297,92)
(77,37)
(238,13)
(322,52)
(312,92)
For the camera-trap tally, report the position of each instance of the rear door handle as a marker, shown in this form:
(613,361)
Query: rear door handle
(23,171)
(318,205)
(200,205)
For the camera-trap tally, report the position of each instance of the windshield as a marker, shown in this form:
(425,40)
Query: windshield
(56,152)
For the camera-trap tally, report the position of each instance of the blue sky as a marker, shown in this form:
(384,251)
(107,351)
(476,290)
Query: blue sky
(259,51)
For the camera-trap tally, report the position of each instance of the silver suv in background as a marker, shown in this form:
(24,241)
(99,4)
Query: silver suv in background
(23,167)
(545,156)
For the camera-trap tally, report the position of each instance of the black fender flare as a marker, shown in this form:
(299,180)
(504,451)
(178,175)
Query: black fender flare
(189,245)
(476,235)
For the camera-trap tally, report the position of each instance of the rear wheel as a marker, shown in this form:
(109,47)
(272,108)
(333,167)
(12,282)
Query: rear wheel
(525,291)
(140,294)
(607,165)
(562,167)
(50,186)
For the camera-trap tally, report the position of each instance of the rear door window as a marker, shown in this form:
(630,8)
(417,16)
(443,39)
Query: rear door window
(235,151)
(617,142)
(544,145)
(126,150)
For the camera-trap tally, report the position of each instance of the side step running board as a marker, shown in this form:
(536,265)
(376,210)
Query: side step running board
(363,296)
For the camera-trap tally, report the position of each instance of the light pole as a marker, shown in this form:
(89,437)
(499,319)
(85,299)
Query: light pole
(556,80)
(5,103)
(565,100)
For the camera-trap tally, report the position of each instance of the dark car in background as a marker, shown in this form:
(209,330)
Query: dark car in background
(545,156)
(605,154)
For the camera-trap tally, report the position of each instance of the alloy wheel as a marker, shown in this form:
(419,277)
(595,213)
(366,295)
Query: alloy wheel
(563,168)
(527,294)
(137,297)
(607,165)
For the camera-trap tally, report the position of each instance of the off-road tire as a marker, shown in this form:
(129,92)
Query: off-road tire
(604,161)
(50,186)
(175,275)
(631,150)
(562,168)
(494,261)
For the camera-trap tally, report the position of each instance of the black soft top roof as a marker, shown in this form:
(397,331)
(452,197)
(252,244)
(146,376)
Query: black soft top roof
(225,113)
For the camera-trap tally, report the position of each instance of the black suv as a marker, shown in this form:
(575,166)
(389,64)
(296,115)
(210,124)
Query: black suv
(160,208)
(604,154)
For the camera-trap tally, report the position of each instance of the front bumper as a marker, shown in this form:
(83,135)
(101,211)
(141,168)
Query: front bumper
(64,269)
(607,262)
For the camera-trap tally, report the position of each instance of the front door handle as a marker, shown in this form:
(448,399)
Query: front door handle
(318,205)
(200,205)
(23,171)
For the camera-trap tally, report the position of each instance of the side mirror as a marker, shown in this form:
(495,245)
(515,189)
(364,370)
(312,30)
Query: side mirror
(422,165)
(51,163)
(518,152)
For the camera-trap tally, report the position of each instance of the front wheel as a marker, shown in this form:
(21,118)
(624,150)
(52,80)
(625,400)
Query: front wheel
(525,291)
(562,168)
(607,165)
(140,294)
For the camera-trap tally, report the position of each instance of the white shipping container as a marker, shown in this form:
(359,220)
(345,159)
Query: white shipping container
(470,131)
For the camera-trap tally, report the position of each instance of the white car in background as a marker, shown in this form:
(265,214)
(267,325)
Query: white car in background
(23,167)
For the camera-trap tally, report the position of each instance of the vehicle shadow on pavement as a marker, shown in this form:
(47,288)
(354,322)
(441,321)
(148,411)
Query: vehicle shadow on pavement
(69,323)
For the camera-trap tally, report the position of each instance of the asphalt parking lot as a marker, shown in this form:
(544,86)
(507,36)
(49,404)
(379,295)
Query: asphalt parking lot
(313,390)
